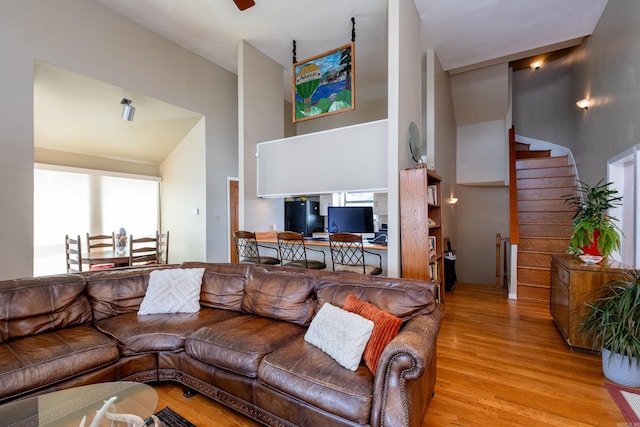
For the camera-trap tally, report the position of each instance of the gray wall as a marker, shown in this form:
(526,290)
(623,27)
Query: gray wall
(605,68)
(608,71)
(88,38)
(543,106)
(445,154)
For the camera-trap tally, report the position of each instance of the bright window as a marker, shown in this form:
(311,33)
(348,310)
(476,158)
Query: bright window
(77,201)
(352,199)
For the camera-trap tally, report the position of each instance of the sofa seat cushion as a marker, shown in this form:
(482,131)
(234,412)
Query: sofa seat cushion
(305,372)
(158,332)
(239,344)
(44,359)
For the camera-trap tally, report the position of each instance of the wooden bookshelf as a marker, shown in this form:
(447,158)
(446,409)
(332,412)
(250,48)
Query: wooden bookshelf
(421,227)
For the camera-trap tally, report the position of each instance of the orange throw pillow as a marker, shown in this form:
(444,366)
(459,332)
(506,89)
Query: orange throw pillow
(386,327)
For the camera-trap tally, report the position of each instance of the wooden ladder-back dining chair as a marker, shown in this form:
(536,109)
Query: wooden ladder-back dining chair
(293,252)
(144,250)
(101,241)
(249,249)
(163,248)
(348,254)
(73,254)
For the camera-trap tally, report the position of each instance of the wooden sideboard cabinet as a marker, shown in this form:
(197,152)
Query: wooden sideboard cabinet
(573,285)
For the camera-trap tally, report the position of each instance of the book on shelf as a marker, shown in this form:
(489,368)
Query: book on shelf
(432,247)
(432,194)
(434,271)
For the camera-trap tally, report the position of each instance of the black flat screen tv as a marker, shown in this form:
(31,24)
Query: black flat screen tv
(350,219)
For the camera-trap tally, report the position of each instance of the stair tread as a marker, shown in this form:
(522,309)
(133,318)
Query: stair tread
(543,177)
(552,166)
(544,219)
(532,267)
(547,223)
(533,285)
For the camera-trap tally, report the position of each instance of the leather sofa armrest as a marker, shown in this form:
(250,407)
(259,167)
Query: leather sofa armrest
(405,377)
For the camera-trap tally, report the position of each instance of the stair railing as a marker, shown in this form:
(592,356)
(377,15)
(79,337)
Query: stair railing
(514,231)
(502,262)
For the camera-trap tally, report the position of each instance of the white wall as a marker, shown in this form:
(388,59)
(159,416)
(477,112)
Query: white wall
(405,106)
(260,118)
(88,38)
(364,112)
(183,190)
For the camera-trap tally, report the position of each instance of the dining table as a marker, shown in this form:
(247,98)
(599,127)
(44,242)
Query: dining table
(106,256)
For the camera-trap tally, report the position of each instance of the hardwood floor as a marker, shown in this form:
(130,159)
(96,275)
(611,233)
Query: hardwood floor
(500,363)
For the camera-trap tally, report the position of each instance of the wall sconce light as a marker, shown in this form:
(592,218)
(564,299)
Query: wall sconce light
(453,201)
(535,65)
(584,103)
(128,110)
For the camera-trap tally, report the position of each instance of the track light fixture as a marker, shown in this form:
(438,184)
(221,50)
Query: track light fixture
(128,110)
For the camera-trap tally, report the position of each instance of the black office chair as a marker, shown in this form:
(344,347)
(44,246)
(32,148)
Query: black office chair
(249,250)
(348,254)
(293,252)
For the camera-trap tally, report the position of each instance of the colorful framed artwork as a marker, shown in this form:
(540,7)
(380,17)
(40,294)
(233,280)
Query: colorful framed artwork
(324,84)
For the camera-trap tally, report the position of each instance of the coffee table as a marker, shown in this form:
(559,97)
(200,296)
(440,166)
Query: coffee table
(67,407)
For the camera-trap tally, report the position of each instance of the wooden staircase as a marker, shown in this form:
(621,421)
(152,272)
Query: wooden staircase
(544,219)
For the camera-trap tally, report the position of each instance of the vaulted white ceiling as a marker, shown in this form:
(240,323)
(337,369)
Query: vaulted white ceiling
(463,33)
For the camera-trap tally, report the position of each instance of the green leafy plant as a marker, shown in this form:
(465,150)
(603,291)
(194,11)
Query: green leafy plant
(592,204)
(613,319)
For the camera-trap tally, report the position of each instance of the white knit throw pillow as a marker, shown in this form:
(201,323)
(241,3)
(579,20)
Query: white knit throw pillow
(341,334)
(175,290)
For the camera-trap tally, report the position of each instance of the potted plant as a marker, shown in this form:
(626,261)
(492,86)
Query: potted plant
(612,323)
(595,233)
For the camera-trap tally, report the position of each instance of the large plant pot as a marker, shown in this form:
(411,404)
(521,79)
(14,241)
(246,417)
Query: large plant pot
(592,249)
(617,368)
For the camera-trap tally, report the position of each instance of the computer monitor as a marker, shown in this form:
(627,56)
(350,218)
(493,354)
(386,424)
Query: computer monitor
(350,219)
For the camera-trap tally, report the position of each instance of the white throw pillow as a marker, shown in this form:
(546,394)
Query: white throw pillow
(175,290)
(341,334)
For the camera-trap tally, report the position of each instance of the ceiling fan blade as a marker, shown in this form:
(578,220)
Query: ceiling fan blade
(244,4)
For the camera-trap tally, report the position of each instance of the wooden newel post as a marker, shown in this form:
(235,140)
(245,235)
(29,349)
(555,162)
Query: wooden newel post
(498,240)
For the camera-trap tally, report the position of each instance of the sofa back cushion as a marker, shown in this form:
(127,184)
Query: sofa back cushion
(222,284)
(42,304)
(399,297)
(113,292)
(281,295)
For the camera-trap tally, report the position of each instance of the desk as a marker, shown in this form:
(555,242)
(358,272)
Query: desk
(105,256)
(269,238)
(67,407)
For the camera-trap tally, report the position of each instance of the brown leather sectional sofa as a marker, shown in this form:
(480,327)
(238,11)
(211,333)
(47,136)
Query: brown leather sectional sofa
(245,347)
